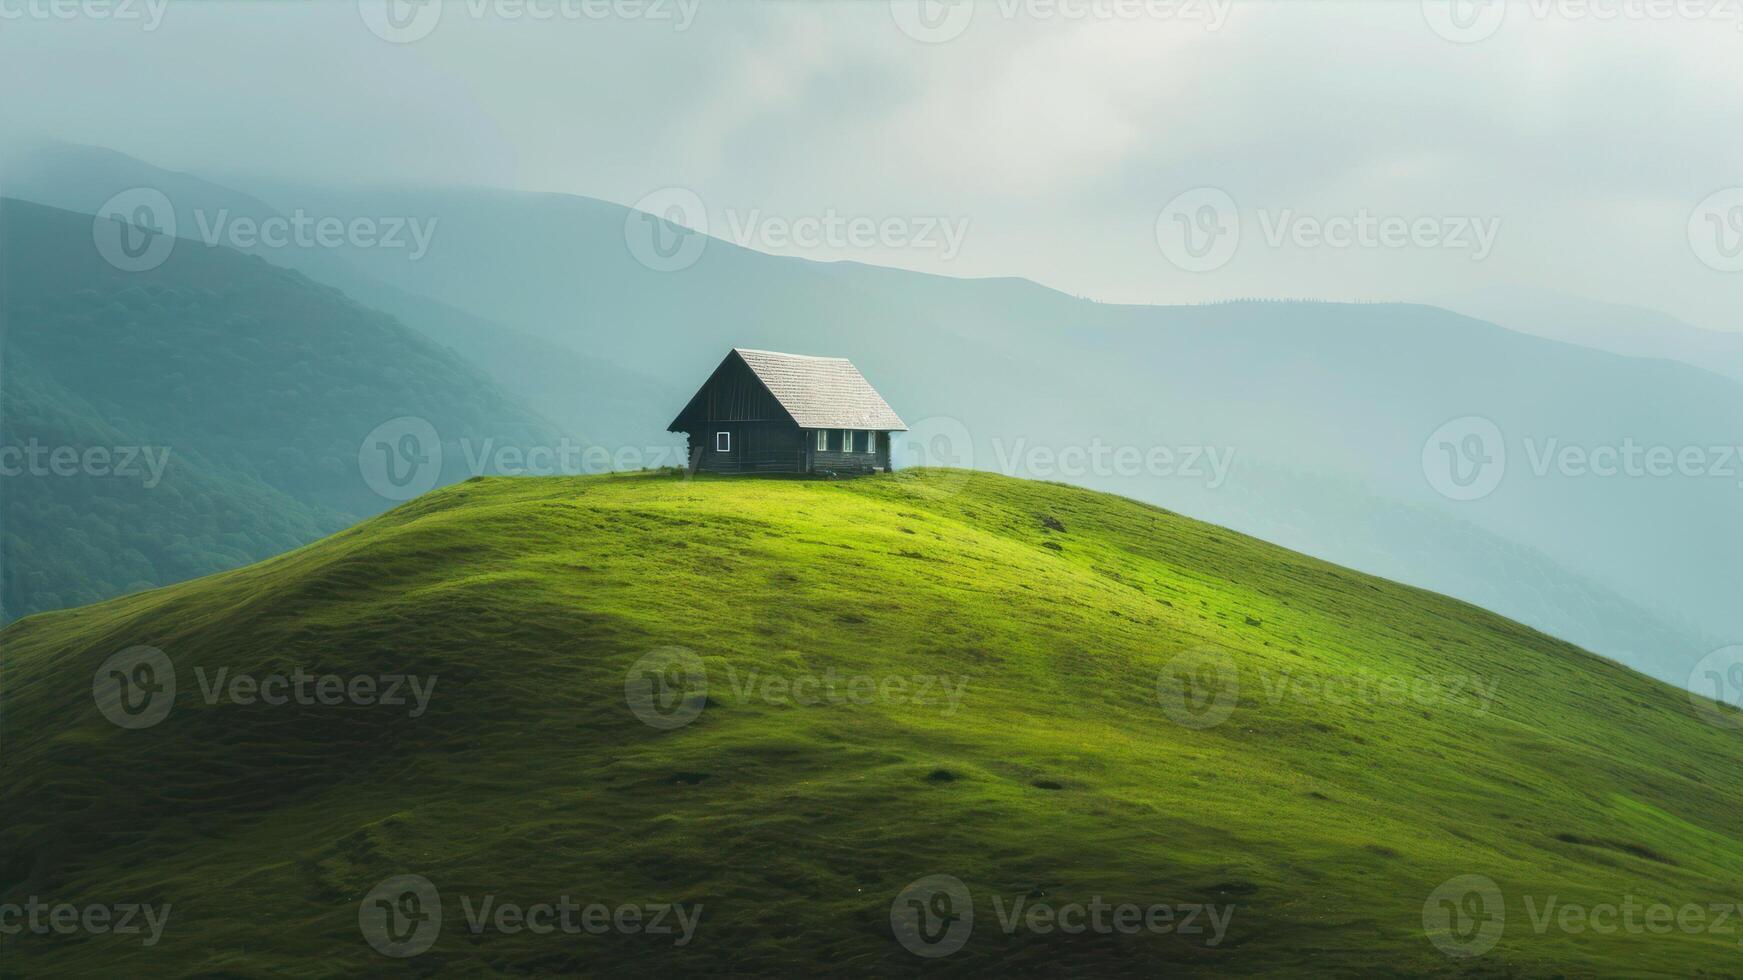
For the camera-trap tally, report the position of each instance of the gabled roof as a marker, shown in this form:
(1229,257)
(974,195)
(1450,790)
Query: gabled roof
(821,392)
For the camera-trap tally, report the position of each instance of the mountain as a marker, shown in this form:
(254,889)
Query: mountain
(1618,329)
(211,411)
(149,517)
(1053,696)
(1324,408)
(1318,413)
(579,393)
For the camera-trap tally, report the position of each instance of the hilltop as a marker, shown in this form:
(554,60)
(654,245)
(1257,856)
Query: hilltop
(1025,725)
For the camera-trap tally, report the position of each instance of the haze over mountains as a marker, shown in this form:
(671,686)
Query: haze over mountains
(1604,326)
(1300,423)
(230,400)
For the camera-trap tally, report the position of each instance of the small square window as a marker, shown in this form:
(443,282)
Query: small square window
(723,442)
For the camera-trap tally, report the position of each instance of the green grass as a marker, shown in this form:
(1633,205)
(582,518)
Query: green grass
(1326,819)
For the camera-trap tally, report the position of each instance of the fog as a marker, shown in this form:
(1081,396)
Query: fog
(1589,140)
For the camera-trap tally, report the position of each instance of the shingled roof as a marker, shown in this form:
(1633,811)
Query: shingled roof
(822,392)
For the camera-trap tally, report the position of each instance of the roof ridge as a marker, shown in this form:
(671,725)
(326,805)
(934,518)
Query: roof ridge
(780,353)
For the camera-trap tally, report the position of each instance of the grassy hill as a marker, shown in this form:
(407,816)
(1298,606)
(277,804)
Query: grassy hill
(1378,741)
(1325,407)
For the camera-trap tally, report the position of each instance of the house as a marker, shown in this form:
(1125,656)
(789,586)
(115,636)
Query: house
(765,412)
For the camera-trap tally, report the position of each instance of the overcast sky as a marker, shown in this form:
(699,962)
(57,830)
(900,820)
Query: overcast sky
(1546,148)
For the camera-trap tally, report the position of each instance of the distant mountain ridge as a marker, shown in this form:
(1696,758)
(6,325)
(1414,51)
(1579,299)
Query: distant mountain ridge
(1625,330)
(257,385)
(1317,399)
(1325,408)
(82,178)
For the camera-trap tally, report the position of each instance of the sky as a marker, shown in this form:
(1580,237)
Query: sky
(1151,151)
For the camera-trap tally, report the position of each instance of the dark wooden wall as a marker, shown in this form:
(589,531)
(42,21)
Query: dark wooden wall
(835,460)
(732,394)
(757,447)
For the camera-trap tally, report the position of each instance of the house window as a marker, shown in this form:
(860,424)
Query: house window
(822,440)
(723,442)
(871,442)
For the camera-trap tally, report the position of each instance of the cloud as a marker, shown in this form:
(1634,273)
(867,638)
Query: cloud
(1059,138)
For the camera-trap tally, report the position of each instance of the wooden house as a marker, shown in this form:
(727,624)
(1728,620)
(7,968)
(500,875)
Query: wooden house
(765,412)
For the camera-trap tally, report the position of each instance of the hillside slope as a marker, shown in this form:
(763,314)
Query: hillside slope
(579,393)
(1363,744)
(1323,408)
(255,386)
